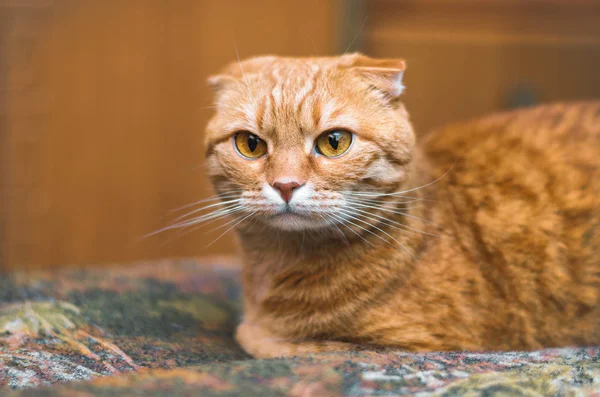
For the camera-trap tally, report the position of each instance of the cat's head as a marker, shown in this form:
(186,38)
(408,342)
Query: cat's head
(296,141)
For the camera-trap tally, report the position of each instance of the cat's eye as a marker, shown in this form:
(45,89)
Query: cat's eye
(334,143)
(250,145)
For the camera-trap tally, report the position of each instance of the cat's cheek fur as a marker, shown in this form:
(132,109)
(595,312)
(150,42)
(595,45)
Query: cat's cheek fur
(228,170)
(346,169)
(383,172)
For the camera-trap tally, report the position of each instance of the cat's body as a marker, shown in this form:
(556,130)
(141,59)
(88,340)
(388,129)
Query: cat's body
(488,240)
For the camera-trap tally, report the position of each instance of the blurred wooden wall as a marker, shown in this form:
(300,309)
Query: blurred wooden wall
(104,105)
(103,102)
(467,58)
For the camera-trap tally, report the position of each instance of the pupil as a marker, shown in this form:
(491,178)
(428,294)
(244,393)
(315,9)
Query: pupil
(334,140)
(252,142)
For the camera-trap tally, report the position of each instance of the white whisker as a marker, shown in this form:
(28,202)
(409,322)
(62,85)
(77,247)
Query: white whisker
(392,211)
(391,223)
(366,194)
(223,225)
(336,226)
(206,207)
(207,222)
(343,223)
(213,198)
(225,232)
(351,215)
(357,34)
(237,53)
(221,212)
(385,199)
(213,215)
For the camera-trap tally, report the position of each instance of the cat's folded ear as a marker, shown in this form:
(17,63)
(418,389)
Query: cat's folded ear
(219,82)
(237,71)
(384,75)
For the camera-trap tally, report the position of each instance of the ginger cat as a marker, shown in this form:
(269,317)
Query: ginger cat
(485,236)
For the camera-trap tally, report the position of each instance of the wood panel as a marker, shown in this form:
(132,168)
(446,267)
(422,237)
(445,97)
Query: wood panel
(106,114)
(468,58)
(4,172)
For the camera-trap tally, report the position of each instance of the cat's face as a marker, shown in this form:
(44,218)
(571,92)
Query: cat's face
(296,142)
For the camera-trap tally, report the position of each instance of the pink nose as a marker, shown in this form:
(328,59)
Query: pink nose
(286,189)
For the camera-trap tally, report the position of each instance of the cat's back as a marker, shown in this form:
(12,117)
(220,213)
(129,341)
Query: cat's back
(554,129)
(542,160)
(522,201)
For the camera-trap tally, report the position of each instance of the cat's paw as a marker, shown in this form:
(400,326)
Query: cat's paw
(261,344)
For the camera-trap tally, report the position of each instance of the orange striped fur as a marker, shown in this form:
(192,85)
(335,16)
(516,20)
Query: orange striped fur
(484,236)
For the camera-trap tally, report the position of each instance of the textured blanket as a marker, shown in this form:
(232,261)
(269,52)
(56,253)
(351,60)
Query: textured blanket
(166,328)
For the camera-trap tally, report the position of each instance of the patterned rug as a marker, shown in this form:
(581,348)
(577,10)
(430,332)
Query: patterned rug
(166,329)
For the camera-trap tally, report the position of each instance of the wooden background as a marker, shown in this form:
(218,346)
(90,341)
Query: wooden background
(103,102)
(469,57)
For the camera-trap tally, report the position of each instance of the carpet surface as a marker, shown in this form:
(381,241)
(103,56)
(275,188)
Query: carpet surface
(166,328)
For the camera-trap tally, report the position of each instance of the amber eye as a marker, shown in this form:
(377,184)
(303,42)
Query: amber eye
(334,143)
(249,145)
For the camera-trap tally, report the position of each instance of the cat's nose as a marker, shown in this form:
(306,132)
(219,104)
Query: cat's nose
(286,189)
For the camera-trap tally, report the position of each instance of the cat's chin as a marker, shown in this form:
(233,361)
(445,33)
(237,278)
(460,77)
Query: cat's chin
(289,221)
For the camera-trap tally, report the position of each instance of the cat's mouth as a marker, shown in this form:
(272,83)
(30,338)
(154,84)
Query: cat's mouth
(290,215)
(292,219)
